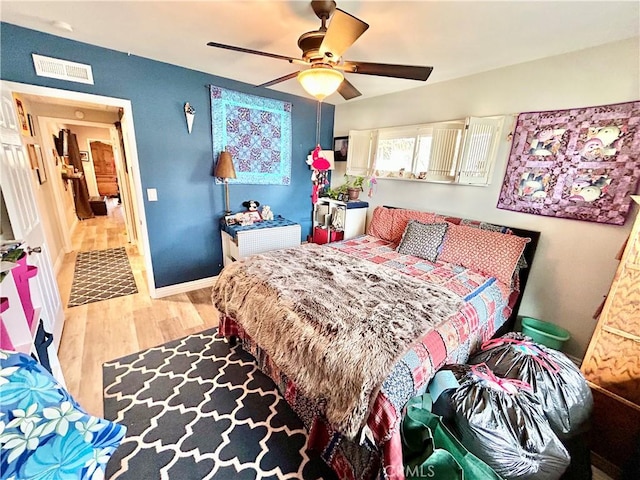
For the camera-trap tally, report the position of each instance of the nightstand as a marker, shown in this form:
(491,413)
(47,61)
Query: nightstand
(241,241)
(352,219)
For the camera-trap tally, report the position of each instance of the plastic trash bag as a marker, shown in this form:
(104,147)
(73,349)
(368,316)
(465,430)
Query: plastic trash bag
(430,450)
(502,423)
(557,383)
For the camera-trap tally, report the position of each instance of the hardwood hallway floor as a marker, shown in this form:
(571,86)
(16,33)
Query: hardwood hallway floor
(97,332)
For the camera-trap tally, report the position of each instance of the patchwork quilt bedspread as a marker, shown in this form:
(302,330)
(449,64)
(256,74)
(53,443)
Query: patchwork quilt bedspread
(376,450)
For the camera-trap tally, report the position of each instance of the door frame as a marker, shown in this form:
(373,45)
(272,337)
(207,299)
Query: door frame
(131,152)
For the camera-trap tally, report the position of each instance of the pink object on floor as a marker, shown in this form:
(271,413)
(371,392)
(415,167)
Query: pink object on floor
(21,275)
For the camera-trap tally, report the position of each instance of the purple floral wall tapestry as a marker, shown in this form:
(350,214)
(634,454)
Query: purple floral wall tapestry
(257,133)
(582,163)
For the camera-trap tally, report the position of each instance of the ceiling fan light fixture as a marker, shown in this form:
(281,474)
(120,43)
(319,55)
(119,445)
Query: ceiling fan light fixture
(320,82)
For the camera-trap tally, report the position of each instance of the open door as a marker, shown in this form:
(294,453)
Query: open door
(127,182)
(17,186)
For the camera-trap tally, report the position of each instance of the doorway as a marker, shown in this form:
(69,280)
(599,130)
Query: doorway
(86,111)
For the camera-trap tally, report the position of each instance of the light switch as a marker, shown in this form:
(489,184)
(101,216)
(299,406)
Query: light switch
(152,194)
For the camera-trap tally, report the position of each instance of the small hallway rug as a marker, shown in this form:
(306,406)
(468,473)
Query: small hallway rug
(101,275)
(196,408)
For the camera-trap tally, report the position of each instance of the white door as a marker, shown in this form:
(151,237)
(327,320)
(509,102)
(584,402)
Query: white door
(17,182)
(134,205)
(123,186)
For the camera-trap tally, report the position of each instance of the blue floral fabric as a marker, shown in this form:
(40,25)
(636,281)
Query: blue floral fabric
(44,433)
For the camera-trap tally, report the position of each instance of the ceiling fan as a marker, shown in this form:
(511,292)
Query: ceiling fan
(322,50)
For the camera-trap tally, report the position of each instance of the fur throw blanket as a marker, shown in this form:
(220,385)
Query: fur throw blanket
(334,324)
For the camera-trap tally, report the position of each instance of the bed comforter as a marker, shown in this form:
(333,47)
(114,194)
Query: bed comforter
(292,327)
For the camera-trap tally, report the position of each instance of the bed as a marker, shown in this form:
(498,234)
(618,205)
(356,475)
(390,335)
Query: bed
(350,331)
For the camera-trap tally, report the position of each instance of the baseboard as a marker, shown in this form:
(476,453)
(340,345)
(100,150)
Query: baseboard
(57,265)
(576,361)
(605,466)
(183,287)
(76,222)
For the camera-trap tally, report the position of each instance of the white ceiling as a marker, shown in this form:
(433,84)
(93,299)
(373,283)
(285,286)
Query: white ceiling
(456,38)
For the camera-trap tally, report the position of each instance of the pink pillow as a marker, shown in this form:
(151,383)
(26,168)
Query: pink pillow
(401,218)
(492,253)
(381,222)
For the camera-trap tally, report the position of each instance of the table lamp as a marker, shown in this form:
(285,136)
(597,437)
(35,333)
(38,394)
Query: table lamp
(225,171)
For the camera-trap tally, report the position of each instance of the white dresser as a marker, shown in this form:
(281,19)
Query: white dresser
(241,241)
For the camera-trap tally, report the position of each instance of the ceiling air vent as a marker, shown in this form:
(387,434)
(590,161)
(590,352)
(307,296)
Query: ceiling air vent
(62,69)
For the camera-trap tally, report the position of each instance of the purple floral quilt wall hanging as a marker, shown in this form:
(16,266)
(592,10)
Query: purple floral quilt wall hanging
(582,163)
(256,131)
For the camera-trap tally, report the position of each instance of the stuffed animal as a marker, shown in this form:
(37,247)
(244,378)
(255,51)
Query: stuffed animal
(267,214)
(251,205)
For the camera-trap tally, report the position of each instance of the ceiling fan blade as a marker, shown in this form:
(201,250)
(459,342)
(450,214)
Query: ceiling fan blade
(343,31)
(257,52)
(411,72)
(281,79)
(347,90)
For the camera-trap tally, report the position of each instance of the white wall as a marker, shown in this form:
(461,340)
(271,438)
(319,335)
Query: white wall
(575,261)
(44,194)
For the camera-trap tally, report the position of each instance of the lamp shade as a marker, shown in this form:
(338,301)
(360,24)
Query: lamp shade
(225,169)
(320,81)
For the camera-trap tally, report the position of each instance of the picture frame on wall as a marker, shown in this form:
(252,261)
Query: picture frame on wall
(340,149)
(22,117)
(42,173)
(32,130)
(84,156)
(33,157)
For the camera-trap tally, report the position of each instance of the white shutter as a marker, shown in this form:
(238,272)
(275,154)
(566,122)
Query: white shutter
(359,161)
(479,150)
(445,146)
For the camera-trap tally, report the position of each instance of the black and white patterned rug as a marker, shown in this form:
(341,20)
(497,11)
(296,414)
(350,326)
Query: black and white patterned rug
(197,408)
(100,275)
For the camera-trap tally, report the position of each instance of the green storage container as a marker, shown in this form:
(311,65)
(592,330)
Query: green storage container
(546,333)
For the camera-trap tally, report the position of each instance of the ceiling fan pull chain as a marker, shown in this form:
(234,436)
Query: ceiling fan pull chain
(318,119)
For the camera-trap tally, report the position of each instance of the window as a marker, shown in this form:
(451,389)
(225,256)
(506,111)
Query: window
(460,151)
(395,150)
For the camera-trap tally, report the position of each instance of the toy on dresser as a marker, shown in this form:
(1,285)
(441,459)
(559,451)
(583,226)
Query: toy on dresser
(267,214)
(251,215)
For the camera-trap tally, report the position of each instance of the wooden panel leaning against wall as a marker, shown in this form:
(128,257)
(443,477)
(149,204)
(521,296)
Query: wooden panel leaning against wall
(612,365)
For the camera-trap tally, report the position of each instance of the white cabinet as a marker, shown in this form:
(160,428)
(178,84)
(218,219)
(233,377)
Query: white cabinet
(241,241)
(337,220)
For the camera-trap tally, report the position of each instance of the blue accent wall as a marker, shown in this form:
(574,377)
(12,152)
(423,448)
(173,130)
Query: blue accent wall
(183,223)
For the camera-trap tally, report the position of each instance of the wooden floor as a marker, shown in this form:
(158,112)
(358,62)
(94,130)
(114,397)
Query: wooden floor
(102,331)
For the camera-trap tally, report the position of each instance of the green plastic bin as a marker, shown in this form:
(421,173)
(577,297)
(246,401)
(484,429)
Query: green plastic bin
(546,333)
